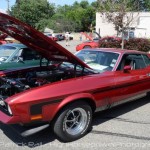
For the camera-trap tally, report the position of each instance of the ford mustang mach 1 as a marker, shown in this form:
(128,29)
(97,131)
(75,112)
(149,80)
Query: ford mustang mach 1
(64,91)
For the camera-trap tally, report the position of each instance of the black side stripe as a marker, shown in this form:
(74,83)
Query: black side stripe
(37,108)
(114,87)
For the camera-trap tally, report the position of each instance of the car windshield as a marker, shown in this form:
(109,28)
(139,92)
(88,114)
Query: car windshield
(6,52)
(98,60)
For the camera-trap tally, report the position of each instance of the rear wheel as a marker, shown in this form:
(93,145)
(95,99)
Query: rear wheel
(73,121)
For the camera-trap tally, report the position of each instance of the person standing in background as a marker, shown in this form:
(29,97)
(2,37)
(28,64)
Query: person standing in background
(80,37)
(67,38)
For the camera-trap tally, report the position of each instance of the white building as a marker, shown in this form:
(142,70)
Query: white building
(139,27)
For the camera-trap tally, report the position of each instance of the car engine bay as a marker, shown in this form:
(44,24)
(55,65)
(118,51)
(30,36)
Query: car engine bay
(20,81)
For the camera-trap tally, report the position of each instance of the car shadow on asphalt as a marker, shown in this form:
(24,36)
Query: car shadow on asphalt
(43,137)
(115,113)
(46,136)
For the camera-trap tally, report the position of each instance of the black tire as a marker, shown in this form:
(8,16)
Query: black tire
(86,47)
(78,124)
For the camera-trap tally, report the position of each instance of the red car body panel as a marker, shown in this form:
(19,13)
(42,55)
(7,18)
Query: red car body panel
(2,42)
(9,120)
(42,103)
(89,44)
(2,39)
(74,89)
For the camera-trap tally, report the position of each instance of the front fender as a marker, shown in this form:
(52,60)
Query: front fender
(76,97)
(57,107)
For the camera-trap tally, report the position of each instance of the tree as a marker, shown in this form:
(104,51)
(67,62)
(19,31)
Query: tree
(119,13)
(84,4)
(77,17)
(61,23)
(140,5)
(40,14)
(95,5)
(32,12)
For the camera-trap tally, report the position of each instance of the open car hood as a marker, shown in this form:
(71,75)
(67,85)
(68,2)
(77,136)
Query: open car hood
(90,37)
(36,40)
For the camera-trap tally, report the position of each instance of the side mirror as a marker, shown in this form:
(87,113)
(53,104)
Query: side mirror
(126,68)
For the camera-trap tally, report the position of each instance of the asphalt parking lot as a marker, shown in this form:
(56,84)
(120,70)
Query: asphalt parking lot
(72,45)
(125,127)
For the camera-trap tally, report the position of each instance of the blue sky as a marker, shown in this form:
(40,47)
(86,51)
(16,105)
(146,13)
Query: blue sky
(3,3)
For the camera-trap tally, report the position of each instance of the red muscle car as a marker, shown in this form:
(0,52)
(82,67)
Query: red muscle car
(88,44)
(63,91)
(91,43)
(97,42)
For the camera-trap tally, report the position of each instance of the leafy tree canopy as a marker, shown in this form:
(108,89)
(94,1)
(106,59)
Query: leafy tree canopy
(32,12)
(41,14)
(77,17)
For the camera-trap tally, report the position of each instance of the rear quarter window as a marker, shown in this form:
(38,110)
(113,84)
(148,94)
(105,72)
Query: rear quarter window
(146,59)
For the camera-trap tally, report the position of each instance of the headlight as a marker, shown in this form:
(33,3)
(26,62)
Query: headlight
(9,109)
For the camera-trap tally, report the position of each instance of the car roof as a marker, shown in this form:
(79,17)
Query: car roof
(15,45)
(116,50)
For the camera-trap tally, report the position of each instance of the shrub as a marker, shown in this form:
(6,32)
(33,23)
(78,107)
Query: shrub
(140,44)
(110,42)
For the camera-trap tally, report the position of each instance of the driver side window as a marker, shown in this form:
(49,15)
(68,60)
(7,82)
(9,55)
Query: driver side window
(15,58)
(134,60)
(29,54)
(26,54)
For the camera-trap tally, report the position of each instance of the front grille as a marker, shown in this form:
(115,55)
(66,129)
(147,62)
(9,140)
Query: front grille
(3,107)
(4,110)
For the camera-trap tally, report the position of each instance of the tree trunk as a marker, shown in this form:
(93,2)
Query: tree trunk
(122,44)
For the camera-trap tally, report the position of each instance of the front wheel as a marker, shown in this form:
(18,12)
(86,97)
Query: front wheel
(73,121)
(87,47)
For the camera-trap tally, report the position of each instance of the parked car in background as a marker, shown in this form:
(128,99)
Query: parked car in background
(63,90)
(97,42)
(52,36)
(88,44)
(2,42)
(2,38)
(14,56)
(91,43)
(10,39)
(60,37)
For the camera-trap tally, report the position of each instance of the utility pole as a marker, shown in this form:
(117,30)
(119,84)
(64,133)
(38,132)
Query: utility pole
(8,10)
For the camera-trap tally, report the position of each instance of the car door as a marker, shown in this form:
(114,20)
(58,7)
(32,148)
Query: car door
(133,83)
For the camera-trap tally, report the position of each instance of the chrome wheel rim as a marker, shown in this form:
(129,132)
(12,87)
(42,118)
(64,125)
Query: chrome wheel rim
(75,121)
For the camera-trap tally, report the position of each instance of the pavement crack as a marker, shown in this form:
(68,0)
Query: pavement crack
(120,135)
(126,120)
